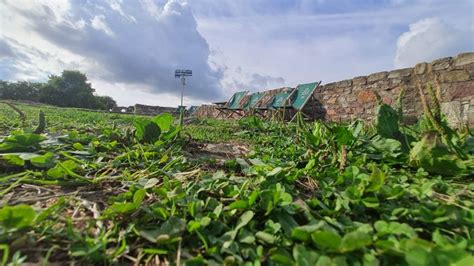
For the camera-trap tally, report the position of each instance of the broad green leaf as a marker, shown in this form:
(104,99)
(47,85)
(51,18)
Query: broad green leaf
(247,237)
(304,256)
(266,237)
(326,239)
(281,257)
(238,205)
(387,122)
(417,252)
(253,197)
(78,146)
(12,160)
(60,171)
(46,160)
(168,231)
(355,240)
(146,131)
(244,219)
(377,179)
(151,183)
(19,141)
(343,136)
(139,196)
(435,157)
(123,207)
(303,233)
(164,121)
(275,171)
(17,217)
(384,228)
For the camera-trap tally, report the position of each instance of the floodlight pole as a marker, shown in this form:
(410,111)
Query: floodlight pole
(183,82)
(182,74)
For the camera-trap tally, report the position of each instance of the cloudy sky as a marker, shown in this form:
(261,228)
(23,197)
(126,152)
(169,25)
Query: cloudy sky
(129,49)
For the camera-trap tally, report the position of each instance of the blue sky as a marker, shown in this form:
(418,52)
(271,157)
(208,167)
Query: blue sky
(130,48)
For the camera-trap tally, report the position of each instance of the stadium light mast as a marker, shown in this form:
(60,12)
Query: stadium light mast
(182,74)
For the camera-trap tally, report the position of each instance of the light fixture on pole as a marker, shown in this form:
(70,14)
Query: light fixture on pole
(182,74)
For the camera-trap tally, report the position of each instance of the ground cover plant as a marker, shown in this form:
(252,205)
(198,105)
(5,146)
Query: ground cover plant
(98,188)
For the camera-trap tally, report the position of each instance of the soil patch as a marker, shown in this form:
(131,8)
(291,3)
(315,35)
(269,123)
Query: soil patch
(220,152)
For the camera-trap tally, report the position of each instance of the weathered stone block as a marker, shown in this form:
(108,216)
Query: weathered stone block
(351,98)
(376,76)
(396,81)
(470,69)
(464,59)
(460,91)
(332,100)
(365,96)
(441,64)
(455,76)
(452,110)
(400,73)
(420,68)
(330,86)
(387,100)
(344,83)
(355,89)
(331,112)
(470,114)
(465,112)
(357,110)
(359,80)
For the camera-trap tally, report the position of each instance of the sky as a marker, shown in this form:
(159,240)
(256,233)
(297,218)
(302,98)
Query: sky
(129,49)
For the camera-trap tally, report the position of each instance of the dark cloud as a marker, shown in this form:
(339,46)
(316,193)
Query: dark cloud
(266,81)
(134,43)
(252,82)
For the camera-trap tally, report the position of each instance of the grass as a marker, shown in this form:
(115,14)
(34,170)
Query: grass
(99,188)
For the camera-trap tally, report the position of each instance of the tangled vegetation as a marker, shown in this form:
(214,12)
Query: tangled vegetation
(98,188)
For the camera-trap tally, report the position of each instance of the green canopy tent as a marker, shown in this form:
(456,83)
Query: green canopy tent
(234,102)
(299,98)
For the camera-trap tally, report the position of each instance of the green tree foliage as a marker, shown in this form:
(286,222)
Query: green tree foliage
(20,90)
(70,89)
(105,102)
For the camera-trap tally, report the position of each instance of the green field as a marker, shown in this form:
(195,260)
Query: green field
(99,188)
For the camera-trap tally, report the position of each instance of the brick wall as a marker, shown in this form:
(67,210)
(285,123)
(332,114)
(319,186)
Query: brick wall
(356,98)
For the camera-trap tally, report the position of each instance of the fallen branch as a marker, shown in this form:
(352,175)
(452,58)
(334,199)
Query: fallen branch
(20,113)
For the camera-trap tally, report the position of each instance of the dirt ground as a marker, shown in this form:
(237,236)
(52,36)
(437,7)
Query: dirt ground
(216,151)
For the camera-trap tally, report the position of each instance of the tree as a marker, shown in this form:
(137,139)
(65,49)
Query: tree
(105,102)
(20,90)
(71,89)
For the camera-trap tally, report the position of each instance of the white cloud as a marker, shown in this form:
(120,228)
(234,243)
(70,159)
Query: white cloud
(429,39)
(110,47)
(129,49)
(98,23)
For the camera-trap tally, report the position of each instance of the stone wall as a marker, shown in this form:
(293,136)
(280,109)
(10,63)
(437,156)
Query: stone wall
(123,109)
(357,97)
(154,110)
